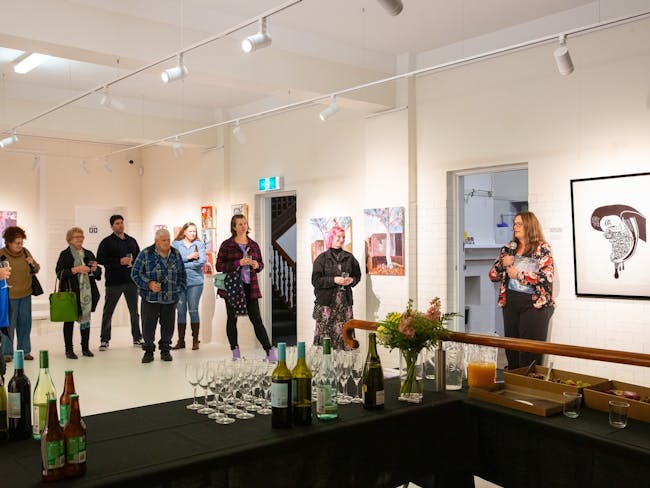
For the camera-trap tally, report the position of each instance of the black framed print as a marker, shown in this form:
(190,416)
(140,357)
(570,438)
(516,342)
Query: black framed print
(611,255)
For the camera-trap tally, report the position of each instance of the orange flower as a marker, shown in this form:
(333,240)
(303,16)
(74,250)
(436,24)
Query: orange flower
(433,312)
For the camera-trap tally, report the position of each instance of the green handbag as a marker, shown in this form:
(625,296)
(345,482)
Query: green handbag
(63,305)
(219,279)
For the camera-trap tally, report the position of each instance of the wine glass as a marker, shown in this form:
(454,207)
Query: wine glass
(5,264)
(225,373)
(357,373)
(344,274)
(204,382)
(266,370)
(341,364)
(130,256)
(193,374)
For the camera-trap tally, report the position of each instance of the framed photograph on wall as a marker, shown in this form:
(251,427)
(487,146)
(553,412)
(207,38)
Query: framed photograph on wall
(240,208)
(611,255)
(384,237)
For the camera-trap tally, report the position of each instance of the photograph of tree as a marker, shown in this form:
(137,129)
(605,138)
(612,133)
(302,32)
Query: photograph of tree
(384,240)
(318,228)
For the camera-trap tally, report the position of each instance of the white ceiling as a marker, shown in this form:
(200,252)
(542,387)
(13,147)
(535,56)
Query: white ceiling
(319,46)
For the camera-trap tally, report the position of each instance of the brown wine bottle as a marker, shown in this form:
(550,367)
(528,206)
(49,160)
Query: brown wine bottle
(75,441)
(52,445)
(64,401)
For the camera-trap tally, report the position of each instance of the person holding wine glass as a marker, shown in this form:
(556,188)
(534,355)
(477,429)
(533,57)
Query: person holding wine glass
(192,250)
(525,270)
(20,292)
(240,258)
(77,271)
(335,273)
(5,272)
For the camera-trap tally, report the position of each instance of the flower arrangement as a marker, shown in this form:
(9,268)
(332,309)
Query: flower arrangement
(410,332)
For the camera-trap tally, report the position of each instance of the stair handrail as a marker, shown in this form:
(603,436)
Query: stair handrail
(527,345)
(290,262)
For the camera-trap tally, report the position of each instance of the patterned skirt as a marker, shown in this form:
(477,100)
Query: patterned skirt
(330,320)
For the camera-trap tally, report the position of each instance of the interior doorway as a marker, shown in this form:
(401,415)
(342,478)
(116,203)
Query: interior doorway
(486,202)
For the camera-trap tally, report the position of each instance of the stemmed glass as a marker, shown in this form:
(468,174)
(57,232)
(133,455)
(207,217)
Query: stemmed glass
(342,367)
(214,386)
(314,357)
(266,369)
(193,374)
(357,373)
(130,256)
(239,385)
(225,373)
(344,274)
(204,382)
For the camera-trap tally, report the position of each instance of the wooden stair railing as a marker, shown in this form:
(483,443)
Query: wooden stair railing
(283,276)
(540,347)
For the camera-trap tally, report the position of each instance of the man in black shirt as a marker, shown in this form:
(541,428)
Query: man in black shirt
(117,253)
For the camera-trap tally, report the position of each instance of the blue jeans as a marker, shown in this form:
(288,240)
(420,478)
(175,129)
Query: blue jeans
(20,322)
(189,299)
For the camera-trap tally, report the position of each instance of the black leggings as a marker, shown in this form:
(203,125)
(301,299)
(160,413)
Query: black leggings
(523,321)
(253,309)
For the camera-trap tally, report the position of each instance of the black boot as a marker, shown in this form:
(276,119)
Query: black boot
(85,338)
(180,343)
(67,338)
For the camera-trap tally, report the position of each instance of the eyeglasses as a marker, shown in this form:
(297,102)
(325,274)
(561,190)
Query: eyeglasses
(78,236)
(517,224)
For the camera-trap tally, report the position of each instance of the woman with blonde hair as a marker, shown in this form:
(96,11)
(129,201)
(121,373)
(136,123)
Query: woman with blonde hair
(77,271)
(192,250)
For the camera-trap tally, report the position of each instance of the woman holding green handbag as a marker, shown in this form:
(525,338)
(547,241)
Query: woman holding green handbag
(77,271)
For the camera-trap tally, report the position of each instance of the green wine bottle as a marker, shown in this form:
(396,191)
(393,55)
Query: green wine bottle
(43,391)
(3,411)
(373,377)
(281,391)
(301,388)
(326,385)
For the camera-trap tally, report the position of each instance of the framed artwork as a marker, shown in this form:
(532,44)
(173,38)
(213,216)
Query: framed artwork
(240,208)
(384,240)
(157,227)
(318,228)
(207,217)
(208,236)
(210,263)
(611,256)
(8,218)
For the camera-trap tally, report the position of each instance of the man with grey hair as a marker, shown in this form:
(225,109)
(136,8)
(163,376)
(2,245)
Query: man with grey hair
(159,274)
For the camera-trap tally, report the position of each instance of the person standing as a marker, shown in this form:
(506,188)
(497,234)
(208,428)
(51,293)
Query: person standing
(77,271)
(192,251)
(525,271)
(241,259)
(117,253)
(159,274)
(335,273)
(20,292)
(5,273)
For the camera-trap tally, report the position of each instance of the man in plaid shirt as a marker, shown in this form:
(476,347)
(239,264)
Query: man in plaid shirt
(159,274)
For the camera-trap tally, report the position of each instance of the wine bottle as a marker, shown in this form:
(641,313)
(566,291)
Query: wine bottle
(301,389)
(3,410)
(373,377)
(52,446)
(75,441)
(64,401)
(43,391)
(19,401)
(281,391)
(326,385)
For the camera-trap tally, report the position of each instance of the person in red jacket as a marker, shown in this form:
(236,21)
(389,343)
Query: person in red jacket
(241,259)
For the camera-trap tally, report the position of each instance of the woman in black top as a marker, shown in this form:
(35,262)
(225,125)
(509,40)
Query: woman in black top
(335,272)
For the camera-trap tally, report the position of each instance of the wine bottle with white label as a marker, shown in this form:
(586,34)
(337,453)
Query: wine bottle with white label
(281,390)
(373,377)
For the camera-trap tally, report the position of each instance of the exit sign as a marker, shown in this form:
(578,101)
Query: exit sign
(269,184)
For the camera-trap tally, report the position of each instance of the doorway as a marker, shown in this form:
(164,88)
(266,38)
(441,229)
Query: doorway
(485,203)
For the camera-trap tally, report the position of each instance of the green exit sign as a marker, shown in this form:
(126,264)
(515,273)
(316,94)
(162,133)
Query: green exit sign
(269,184)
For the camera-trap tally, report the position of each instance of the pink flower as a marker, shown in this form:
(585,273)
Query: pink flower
(406,326)
(433,312)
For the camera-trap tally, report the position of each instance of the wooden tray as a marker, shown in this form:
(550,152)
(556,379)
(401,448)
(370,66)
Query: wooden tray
(530,400)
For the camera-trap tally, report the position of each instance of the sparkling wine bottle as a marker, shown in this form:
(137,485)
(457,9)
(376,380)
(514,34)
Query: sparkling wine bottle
(19,401)
(373,377)
(326,385)
(52,446)
(64,401)
(281,390)
(301,388)
(75,441)
(43,391)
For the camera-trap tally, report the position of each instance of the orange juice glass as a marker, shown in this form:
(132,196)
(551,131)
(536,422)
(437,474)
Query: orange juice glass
(481,374)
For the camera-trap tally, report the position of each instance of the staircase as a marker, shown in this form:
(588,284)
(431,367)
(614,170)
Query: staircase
(283,272)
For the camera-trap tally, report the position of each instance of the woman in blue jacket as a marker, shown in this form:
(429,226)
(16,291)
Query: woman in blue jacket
(192,251)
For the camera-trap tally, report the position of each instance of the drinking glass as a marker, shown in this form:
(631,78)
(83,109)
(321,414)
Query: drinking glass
(266,370)
(357,373)
(481,365)
(343,371)
(314,357)
(193,374)
(130,256)
(344,274)
(225,373)
(204,382)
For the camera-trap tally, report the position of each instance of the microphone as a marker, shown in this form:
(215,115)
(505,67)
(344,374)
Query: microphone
(512,248)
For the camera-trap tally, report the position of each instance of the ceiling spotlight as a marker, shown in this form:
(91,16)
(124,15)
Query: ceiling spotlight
(259,40)
(8,141)
(111,103)
(29,62)
(563,57)
(393,7)
(177,148)
(176,73)
(239,134)
(331,109)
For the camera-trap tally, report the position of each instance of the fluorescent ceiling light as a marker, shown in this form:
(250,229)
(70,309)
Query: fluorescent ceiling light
(331,109)
(176,73)
(30,62)
(259,40)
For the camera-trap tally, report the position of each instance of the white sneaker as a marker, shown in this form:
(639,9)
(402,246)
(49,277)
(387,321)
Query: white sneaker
(138,343)
(103,346)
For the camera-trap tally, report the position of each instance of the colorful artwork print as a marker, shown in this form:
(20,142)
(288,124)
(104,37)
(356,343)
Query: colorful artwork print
(207,217)
(8,218)
(240,209)
(208,236)
(318,228)
(210,263)
(384,239)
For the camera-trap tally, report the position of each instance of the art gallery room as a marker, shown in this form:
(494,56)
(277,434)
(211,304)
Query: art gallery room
(423,129)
